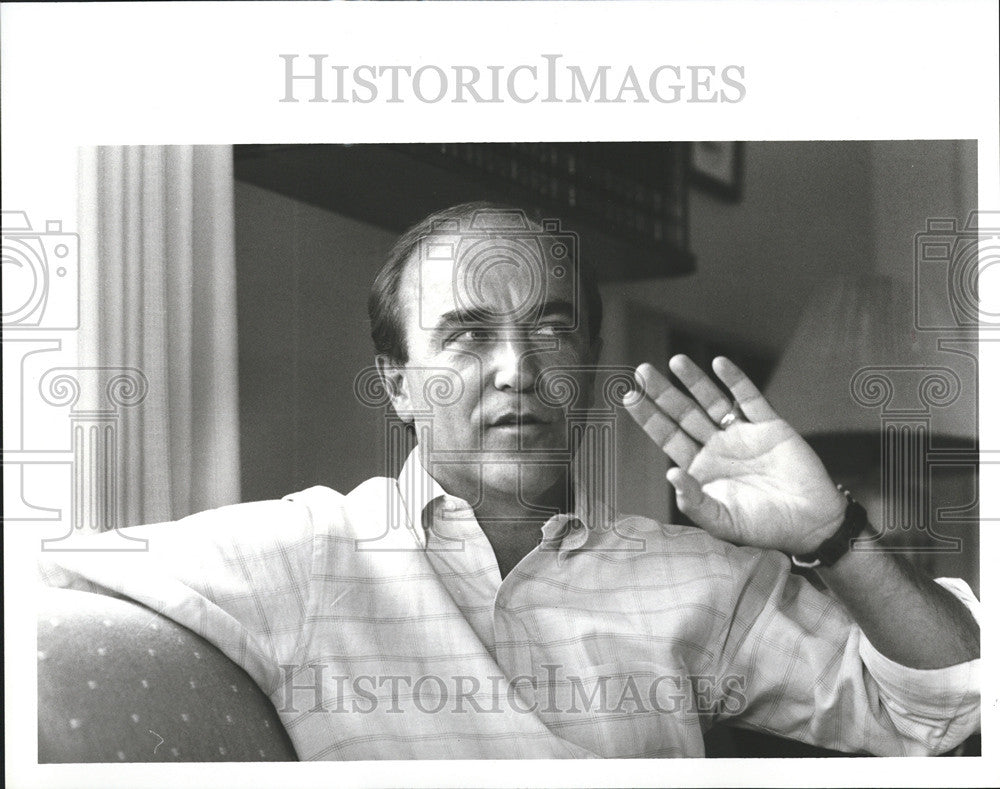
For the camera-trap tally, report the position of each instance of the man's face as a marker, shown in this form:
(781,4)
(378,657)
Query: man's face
(483,321)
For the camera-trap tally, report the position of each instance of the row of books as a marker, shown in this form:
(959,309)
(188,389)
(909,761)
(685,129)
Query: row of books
(650,208)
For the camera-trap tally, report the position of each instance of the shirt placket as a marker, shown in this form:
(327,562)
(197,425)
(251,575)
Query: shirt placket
(464,561)
(514,602)
(513,647)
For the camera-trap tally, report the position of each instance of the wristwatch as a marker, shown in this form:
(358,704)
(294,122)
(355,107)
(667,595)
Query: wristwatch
(855,521)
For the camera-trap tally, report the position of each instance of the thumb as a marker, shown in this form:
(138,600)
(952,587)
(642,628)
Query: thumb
(692,501)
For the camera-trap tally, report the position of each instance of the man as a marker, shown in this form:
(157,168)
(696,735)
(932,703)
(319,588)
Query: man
(489,603)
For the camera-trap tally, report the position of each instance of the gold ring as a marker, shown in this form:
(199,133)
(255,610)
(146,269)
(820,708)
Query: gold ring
(731,417)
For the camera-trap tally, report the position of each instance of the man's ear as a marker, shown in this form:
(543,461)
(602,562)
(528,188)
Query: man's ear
(396,386)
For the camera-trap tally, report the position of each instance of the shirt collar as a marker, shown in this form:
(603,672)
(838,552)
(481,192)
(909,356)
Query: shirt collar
(564,532)
(418,489)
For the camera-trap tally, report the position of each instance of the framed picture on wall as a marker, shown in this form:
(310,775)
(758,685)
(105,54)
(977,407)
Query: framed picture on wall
(717,167)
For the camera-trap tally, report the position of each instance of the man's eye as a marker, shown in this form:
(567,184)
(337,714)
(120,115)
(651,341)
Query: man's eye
(469,335)
(547,330)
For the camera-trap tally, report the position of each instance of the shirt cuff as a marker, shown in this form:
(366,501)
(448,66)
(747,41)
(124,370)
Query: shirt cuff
(938,706)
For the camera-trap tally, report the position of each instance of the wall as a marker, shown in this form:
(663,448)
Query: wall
(913,181)
(810,210)
(805,213)
(303,277)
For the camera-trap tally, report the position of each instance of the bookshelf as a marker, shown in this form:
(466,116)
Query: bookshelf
(627,201)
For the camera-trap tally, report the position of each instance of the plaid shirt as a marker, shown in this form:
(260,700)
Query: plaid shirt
(380,627)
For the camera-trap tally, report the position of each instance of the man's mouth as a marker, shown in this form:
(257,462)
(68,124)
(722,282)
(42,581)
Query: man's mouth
(517,420)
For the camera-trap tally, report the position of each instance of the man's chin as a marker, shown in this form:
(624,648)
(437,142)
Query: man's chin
(527,480)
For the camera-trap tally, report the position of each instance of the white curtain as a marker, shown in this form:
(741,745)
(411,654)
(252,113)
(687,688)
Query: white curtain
(158,295)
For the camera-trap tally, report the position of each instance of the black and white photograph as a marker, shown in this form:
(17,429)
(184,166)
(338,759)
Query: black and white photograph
(459,456)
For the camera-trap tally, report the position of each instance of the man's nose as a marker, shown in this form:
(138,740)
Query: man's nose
(514,365)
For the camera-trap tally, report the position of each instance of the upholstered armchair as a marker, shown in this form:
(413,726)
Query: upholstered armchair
(117,682)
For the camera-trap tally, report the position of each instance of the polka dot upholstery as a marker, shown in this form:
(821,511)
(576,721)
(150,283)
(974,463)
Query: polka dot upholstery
(117,682)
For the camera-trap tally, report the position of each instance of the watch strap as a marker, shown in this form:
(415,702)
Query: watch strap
(835,546)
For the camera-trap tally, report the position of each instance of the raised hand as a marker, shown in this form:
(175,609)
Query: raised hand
(755,482)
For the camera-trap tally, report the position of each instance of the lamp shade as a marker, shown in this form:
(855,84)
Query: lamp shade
(858,357)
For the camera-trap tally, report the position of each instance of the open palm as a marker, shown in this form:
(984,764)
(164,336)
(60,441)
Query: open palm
(756,482)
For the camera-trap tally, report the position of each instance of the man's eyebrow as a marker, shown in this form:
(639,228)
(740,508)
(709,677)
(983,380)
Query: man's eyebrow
(463,318)
(478,317)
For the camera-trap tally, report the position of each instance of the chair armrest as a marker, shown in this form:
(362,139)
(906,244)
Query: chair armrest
(118,682)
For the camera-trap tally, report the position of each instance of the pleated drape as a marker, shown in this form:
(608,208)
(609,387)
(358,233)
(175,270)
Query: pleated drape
(159,296)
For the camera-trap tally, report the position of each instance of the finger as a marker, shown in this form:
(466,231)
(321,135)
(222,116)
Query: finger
(664,432)
(692,501)
(708,395)
(675,404)
(751,401)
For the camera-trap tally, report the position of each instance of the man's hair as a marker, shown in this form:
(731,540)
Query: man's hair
(385,310)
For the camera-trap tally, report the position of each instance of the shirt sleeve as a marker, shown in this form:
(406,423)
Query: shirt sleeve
(238,576)
(809,673)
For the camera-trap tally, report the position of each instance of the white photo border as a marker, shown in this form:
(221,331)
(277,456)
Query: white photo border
(148,73)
